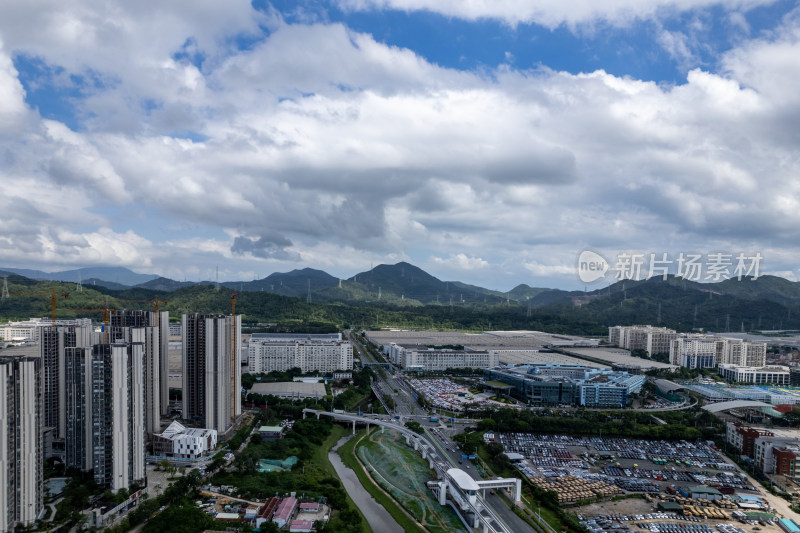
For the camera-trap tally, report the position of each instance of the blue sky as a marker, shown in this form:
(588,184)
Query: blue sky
(489,142)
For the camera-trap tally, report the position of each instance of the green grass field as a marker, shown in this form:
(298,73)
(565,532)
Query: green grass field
(347,452)
(402,472)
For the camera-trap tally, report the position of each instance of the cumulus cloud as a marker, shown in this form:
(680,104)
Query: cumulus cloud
(461,261)
(320,144)
(12,95)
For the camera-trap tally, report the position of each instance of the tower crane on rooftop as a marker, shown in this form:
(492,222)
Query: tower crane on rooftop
(106,317)
(53,300)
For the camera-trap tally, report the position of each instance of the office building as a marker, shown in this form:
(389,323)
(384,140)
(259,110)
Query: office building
(21,457)
(306,354)
(770,452)
(743,437)
(149,329)
(31,330)
(772,374)
(572,384)
(212,372)
(785,461)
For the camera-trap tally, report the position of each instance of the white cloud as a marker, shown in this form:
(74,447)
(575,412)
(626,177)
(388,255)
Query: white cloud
(321,144)
(461,261)
(12,95)
(549,13)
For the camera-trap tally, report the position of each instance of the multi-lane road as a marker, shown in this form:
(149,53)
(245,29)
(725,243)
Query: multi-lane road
(407,408)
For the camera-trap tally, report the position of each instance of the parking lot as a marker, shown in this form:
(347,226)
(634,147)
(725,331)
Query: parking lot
(656,470)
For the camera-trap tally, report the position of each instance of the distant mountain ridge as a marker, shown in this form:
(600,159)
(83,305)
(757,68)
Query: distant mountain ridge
(405,296)
(406,284)
(118,275)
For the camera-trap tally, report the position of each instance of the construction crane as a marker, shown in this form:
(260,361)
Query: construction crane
(53,299)
(233,355)
(106,317)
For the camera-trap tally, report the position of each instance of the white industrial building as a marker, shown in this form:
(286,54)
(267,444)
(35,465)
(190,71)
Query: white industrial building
(309,355)
(31,329)
(425,359)
(185,443)
(772,374)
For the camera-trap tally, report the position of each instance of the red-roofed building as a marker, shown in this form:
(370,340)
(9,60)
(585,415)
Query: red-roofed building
(284,511)
(301,525)
(267,510)
(309,507)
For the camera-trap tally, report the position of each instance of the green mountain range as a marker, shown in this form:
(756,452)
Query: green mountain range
(405,296)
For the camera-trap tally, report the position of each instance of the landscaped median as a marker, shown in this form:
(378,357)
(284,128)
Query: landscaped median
(396,476)
(347,453)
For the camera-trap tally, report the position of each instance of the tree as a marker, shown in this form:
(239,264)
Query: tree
(494,449)
(415,426)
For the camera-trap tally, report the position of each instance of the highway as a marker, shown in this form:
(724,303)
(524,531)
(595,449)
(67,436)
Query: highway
(407,408)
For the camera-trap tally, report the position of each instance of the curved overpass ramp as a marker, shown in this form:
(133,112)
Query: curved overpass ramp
(738,404)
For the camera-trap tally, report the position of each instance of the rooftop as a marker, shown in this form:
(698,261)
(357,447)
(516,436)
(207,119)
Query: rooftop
(701,489)
(285,508)
(465,482)
(176,429)
(285,388)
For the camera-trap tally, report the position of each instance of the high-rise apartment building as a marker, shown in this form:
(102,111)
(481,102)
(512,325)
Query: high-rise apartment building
(106,411)
(150,329)
(78,408)
(212,371)
(53,343)
(21,457)
(654,340)
(709,351)
(118,437)
(739,352)
(695,351)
